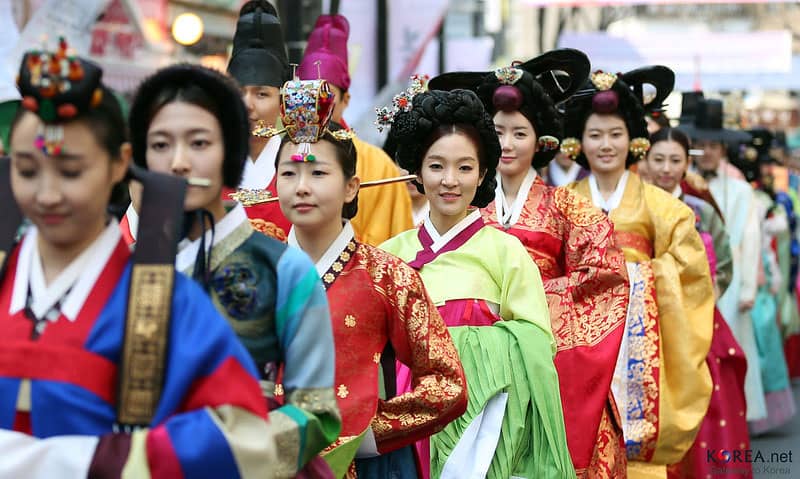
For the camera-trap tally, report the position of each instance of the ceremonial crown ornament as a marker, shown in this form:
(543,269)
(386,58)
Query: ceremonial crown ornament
(306,109)
(401,102)
(508,75)
(603,80)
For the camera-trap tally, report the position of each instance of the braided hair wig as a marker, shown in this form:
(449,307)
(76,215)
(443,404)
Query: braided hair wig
(413,130)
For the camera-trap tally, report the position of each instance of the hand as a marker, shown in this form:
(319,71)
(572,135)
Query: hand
(746,305)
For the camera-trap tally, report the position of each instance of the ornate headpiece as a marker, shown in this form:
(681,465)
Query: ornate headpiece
(57,86)
(508,75)
(603,80)
(401,102)
(306,109)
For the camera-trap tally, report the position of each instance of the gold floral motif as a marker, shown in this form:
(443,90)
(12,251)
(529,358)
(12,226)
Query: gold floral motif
(376,358)
(338,266)
(342,391)
(279,389)
(268,228)
(350,321)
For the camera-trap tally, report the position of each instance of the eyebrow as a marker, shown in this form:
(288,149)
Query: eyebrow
(187,132)
(63,156)
(463,158)
(609,129)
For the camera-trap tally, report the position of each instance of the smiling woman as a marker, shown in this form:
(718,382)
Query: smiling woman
(661,383)
(496,311)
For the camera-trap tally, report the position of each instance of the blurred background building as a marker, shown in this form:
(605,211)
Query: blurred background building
(747,52)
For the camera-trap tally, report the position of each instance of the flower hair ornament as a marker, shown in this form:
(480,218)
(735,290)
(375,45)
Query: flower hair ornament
(57,86)
(306,109)
(571,147)
(401,102)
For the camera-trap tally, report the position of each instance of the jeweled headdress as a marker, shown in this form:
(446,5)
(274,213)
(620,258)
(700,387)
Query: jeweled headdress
(306,109)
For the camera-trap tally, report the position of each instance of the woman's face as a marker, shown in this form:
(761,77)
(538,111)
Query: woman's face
(667,163)
(605,143)
(518,141)
(312,193)
(186,140)
(450,174)
(66,195)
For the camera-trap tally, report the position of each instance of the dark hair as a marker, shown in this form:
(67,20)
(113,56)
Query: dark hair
(109,129)
(671,134)
(415,130)
(625,106)
(346,156)
(529,98)
(205,88)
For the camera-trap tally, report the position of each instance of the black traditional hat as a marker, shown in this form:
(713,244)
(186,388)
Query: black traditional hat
(605,93)
(706,124)
(660,77)
(689,102)
(231,113)
(413,124)
(533,88)
(259,53)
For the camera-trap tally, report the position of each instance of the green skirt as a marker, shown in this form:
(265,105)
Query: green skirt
(512,357)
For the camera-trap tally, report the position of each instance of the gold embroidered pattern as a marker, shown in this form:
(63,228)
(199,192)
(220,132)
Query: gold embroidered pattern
(146,334)
(338,266)
(376,358)
(342,391)
(350,321)
(279,389)
(268,228)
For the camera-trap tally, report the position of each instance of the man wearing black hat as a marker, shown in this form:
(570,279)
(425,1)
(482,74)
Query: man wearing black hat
(260,66)
(737,202)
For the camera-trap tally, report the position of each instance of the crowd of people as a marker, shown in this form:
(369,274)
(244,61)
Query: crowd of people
(565,283)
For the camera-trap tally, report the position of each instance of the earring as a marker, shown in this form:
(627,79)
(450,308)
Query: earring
(547,143)
(571,147)
(639,147)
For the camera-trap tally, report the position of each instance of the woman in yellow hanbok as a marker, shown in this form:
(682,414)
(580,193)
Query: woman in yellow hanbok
(661,384)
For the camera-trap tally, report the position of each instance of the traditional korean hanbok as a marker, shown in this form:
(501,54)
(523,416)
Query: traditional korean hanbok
(271,296)
(379,307)
(774,373)
(488,291)
(724,425)
(662,384)
(585,282)
(735,199)
(59,362)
